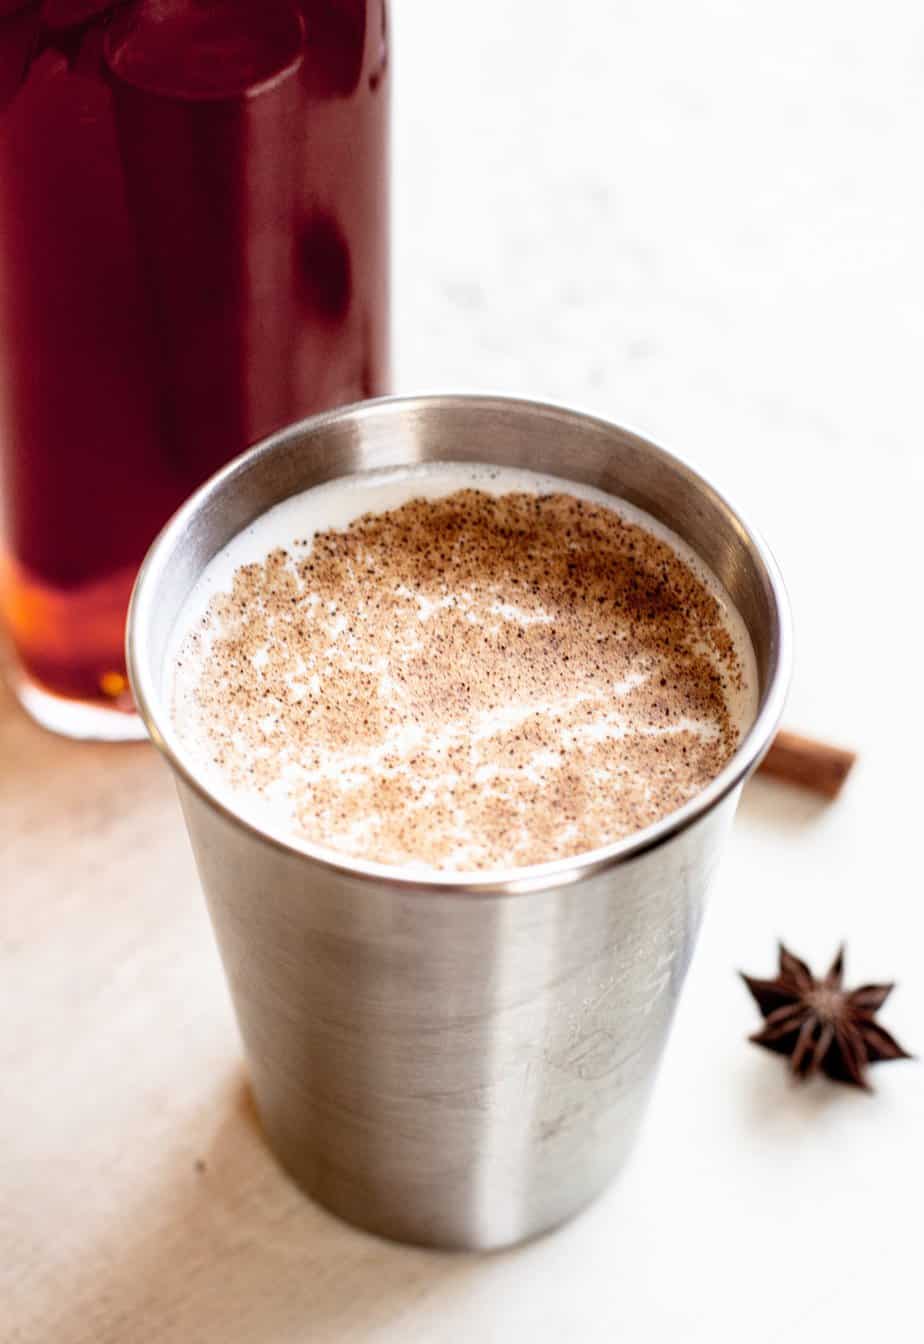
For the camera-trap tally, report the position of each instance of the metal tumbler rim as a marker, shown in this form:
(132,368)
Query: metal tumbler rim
(146,678)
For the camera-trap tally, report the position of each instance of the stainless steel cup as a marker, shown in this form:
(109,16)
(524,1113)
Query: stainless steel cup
(458,1062)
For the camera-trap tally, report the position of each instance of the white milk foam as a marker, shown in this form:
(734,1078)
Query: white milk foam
(333,506)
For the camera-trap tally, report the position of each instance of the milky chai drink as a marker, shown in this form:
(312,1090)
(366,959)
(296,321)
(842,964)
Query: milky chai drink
(459,694)
(460,668)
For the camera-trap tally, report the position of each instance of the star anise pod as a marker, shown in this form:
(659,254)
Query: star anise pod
(821,1025)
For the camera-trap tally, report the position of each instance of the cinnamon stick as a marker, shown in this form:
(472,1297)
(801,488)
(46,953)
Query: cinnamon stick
(811,764)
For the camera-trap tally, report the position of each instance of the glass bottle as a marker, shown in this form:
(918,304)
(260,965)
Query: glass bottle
(193,251)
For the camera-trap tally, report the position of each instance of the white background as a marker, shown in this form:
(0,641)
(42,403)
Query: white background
(705,220)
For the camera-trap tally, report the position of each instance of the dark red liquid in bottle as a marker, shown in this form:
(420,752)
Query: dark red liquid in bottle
(193,251)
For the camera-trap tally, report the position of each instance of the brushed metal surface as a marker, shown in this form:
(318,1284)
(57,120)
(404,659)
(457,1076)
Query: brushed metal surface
(455,1061)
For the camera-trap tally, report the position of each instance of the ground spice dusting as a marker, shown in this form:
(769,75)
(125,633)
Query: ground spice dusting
(469,682)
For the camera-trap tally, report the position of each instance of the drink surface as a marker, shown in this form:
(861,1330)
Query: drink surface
(460,668)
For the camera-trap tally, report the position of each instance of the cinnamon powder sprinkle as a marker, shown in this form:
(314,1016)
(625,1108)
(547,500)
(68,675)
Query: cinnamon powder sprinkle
(468,682)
